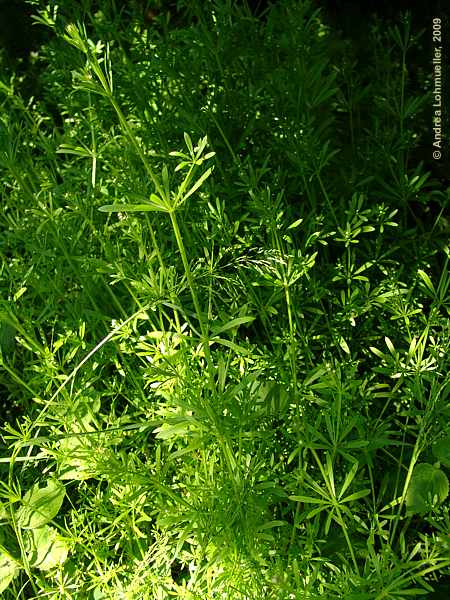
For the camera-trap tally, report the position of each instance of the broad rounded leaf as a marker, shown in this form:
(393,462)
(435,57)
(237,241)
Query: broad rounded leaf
(45,548)
(9,568)
(428,487)
(41,505)
(441,450)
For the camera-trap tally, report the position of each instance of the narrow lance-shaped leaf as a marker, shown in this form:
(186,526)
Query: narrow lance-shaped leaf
(427,281)
(272,524)
(188,142)
(235,347)
(356,496)
(111,208)
(201,146)
(81,151)
(315,511)
(348,479)
(198,183)
(155,204)
(232,324)
(308,500)
(166,184)
(343,344)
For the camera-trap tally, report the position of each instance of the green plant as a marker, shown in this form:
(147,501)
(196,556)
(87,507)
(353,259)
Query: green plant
(223,363)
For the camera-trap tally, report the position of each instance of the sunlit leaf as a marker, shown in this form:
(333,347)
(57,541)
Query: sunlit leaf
(45,548)
(427,281)
(132,208)
(9,568)
(188,142)
(76,150)
(41,505)
(343,344)
(198,183)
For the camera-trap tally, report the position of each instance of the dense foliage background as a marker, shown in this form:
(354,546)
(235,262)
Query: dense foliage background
(224,305)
